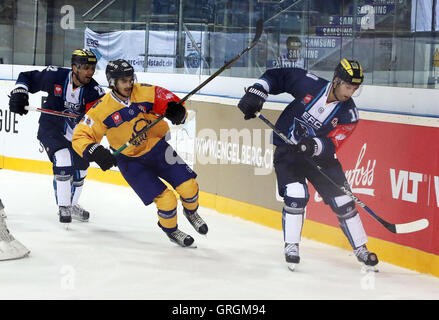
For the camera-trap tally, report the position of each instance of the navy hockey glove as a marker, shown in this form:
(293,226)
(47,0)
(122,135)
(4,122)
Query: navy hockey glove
(102,156)
(175,112)
(252,101)
(306,146)
(18,99)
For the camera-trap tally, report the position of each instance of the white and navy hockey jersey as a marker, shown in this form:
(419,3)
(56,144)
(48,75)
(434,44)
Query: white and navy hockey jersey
(309,115)
(62,96)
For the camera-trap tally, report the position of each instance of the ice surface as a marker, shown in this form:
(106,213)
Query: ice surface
(122,254)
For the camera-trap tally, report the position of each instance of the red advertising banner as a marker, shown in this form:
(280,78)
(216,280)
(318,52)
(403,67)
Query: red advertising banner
(394,169)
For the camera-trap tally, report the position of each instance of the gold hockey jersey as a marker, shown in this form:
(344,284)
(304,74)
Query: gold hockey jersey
(121,121)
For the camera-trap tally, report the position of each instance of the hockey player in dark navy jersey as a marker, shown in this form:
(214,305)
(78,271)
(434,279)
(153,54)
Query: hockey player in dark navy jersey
(318,121)
(69,90)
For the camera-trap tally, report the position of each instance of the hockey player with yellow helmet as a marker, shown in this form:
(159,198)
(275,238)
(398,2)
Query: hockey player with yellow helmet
(68,90)
(320,119)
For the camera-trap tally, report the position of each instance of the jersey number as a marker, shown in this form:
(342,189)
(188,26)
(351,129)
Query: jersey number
(354,114)
(52,68)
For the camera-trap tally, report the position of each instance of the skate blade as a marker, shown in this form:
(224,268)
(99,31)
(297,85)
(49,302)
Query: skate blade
(15,257)
(366,269)
(291,266)
(192,246)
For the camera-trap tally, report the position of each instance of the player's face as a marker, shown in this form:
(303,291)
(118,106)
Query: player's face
(85,73)
(125,86)
(345,90)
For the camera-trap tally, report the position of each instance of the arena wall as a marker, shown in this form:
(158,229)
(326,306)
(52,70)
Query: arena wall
(391,161)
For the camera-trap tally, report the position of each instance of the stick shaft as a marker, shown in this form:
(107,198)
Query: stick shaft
(53,112)
(259,29)
(395,228)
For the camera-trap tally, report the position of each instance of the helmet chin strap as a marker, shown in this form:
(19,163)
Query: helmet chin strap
(334,86)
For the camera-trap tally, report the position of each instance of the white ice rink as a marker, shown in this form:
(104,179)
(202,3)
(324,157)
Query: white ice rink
(122,254)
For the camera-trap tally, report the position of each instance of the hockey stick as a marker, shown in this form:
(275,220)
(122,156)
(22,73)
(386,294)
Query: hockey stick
(395,228)
(53,112)
(259,29)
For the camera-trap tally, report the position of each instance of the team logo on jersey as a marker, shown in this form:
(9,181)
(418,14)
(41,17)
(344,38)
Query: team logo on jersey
(57,91)
(139,126)
(117,119)
(87,121)
(334,122)
(142,108)
(312,120)
(307,99)
(301,129)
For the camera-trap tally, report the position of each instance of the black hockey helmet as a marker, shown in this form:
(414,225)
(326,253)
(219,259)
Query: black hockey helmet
(83,56)
(118,69)
(349,71)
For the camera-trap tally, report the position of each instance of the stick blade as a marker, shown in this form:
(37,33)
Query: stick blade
(259,29)
(412,226)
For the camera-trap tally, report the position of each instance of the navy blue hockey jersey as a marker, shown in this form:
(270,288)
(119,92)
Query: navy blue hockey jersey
(309,115)
(62,96)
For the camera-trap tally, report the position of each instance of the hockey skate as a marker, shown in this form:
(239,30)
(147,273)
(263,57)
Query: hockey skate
(196,221)
(79,214)
(2,211)
(292,255)
(10,248)
(181,238)
(367,258)
(65,214)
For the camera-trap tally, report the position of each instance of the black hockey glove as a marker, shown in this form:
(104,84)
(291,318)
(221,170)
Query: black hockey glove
(175,112)
(306,146)
(252,101)
(18,99)
(102,156)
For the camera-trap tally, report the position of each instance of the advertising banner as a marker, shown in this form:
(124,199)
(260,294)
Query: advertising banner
(128,45)
(393,168)
(299,51)
(196,44)
(18,134)
(161,51)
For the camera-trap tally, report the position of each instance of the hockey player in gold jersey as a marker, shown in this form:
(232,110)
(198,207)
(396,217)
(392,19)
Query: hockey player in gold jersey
(120,115)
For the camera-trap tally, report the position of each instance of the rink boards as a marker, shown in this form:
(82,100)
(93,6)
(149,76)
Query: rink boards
(391,162)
